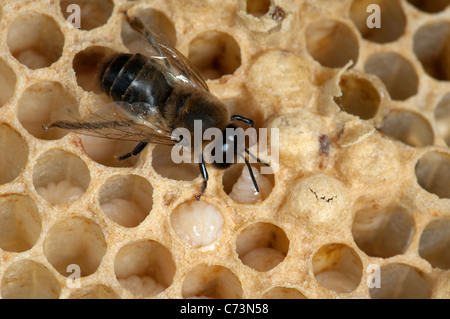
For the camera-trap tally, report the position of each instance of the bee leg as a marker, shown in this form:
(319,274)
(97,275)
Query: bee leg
(204,173)
(256,158)
(251,173)
(139,148)
(243,120)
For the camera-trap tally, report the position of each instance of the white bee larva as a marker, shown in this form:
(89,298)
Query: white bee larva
(141,286)
(197,223)
(60,192)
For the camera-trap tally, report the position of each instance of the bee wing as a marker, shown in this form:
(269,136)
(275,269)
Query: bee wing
(173,64)
(137,122)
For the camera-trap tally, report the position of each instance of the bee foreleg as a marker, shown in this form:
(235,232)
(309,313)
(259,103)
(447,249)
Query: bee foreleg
(139,148)
(243,120)
(256,158)
(252,176)
(204,173)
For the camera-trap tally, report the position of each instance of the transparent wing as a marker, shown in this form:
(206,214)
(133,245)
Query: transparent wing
(138,122)
(173,64)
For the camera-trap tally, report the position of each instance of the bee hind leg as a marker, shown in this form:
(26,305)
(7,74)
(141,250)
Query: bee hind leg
(139,148)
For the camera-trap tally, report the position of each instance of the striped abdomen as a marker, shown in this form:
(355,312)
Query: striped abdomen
(133,78)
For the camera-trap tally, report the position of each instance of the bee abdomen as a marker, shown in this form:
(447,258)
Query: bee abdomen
(134,78)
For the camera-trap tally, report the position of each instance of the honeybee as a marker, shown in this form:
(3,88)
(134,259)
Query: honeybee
(155,94)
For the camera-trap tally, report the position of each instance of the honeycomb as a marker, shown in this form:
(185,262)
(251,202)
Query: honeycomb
(361,194)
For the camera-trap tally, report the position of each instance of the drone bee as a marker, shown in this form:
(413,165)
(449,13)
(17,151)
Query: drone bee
(155,94)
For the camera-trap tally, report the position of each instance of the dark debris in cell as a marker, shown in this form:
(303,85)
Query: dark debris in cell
(325,145)
(277,13)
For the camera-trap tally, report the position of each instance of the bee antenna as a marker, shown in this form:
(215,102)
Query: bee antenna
(256,158)
(251,173)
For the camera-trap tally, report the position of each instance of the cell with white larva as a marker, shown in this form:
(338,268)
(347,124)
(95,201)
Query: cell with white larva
(197,223)
(244,192)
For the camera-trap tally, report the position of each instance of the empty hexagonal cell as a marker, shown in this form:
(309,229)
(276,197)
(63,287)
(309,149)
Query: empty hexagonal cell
(28,279)
(283,293)
(400,281)
(60,177)
(379,21)
(20,223)
(39,105)
(359,97)
(215,54)
(13,154)
(238,184)
(88,65)
(396,72)
(435,242)
(126,199)
(383,232)
(163,165)
(430,6)
(332,43)
(215,282)
(442,117)
(35,40)
(433,173)
(337,267)
(86,14)
(408,127)
(77,242)
(94,292)
(145,268)
(135,42)
(257,8)
(262,246)
(432,48)
(197,223)
(7,82)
